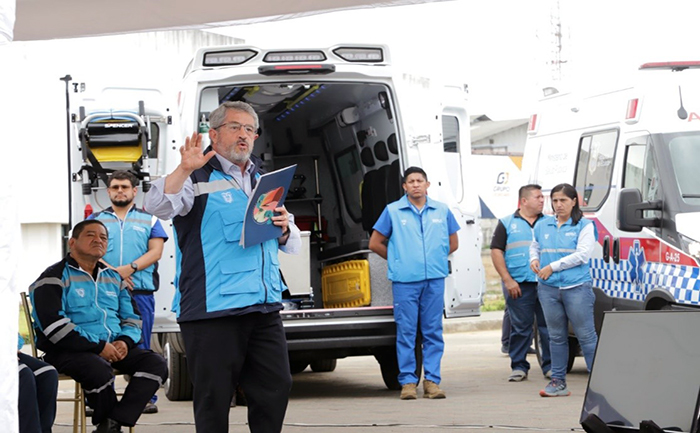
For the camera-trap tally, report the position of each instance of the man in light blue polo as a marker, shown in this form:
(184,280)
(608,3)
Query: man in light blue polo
(415,234)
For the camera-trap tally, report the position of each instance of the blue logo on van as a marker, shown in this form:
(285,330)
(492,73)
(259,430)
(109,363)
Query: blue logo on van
(637,261)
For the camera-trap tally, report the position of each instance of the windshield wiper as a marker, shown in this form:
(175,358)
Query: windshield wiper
(690,195)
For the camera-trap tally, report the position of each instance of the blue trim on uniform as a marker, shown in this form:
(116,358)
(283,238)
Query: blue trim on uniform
(517,252)
(128,240)
(216,276)
(421,240)
(557,242)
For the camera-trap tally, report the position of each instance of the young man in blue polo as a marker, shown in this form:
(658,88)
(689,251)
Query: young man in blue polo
(415,234)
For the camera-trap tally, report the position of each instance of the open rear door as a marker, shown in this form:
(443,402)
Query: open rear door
(466,282)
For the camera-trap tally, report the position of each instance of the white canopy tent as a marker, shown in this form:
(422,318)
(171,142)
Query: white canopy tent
(56,19)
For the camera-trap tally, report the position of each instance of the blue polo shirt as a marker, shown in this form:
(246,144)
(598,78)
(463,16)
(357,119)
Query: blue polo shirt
(419,242)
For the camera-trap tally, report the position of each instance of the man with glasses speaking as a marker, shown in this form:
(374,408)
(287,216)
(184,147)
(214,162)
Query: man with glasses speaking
(228,297)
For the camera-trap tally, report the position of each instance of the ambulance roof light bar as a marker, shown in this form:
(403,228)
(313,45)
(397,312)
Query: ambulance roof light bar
(360,55)
(294,56)
(674,66)
(227,58)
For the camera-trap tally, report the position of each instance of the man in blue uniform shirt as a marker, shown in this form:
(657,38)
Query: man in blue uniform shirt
(415,234)
(136,241)
(87,325)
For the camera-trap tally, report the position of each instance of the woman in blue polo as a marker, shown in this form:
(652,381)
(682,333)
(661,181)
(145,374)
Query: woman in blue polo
(559,255)
(415,234)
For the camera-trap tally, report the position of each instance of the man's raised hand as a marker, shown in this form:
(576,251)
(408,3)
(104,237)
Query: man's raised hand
(192,153)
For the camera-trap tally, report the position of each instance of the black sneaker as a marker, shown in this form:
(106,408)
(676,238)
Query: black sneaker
(150,408)
(108,426)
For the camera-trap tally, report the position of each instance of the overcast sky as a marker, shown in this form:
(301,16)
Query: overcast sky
(503,49)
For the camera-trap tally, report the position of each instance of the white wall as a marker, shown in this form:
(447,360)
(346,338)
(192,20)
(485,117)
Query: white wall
(42,247)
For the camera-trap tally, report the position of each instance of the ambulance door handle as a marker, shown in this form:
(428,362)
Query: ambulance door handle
(606,249)
(616,250)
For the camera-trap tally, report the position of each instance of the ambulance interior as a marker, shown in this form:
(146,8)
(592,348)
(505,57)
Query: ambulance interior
(344,140)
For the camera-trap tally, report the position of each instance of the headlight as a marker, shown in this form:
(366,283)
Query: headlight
(691,246)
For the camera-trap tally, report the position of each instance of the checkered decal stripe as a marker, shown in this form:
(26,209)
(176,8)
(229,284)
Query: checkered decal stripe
(683,282)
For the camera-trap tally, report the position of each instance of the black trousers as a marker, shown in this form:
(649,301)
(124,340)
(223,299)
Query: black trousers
(148,372)
(250,350)
(38,385)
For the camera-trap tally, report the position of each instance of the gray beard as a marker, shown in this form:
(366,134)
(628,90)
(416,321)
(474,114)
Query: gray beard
(239,158)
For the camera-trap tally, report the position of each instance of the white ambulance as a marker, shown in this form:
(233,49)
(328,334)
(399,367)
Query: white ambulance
(352,126)
(633,154)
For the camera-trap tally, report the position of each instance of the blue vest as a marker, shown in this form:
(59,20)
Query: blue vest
(128,242)
(419,244)
(558,242)
(98,315)
(216,276)
(517,254)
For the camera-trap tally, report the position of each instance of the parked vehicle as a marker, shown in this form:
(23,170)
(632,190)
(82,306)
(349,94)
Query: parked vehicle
(632,153)
(351,125)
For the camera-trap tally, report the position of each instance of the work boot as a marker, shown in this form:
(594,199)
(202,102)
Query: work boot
(108,426)
(408,391)
(432,390)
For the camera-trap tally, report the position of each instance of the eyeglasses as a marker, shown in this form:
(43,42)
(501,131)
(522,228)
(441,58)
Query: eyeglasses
(235,126)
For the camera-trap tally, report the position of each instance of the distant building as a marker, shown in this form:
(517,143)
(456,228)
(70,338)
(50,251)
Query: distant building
(500,146)
(498,137)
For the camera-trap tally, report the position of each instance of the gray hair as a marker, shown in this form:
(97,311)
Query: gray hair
(218,116)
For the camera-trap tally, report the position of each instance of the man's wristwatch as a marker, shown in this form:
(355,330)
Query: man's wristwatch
(134,267)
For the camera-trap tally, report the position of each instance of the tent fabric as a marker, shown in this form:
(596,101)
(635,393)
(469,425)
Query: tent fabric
(37,19)
(7,20)
(10,238)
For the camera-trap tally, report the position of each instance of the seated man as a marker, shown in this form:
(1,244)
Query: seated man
(87,325)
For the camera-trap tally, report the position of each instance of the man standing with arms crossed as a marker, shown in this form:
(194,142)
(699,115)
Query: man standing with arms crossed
(415,234)
(510,248)
(136,241)
(229,296)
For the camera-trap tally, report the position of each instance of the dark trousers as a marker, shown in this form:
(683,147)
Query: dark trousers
(250,350)
(148,372)
(524,311)
(38,384)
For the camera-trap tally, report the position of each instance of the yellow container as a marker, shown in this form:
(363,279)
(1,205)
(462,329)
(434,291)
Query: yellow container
(346,284)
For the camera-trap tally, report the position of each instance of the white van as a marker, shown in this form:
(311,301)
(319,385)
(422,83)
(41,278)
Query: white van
(633,155)
(352,126)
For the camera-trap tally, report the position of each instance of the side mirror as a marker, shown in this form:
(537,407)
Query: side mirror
(630,211)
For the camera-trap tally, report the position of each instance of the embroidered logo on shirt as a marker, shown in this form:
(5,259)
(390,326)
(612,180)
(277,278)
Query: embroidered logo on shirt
(227,196)
(111,294)
(80,292)
(546,235)
(139,229)
(437,220)
(403,222)
(570,234)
